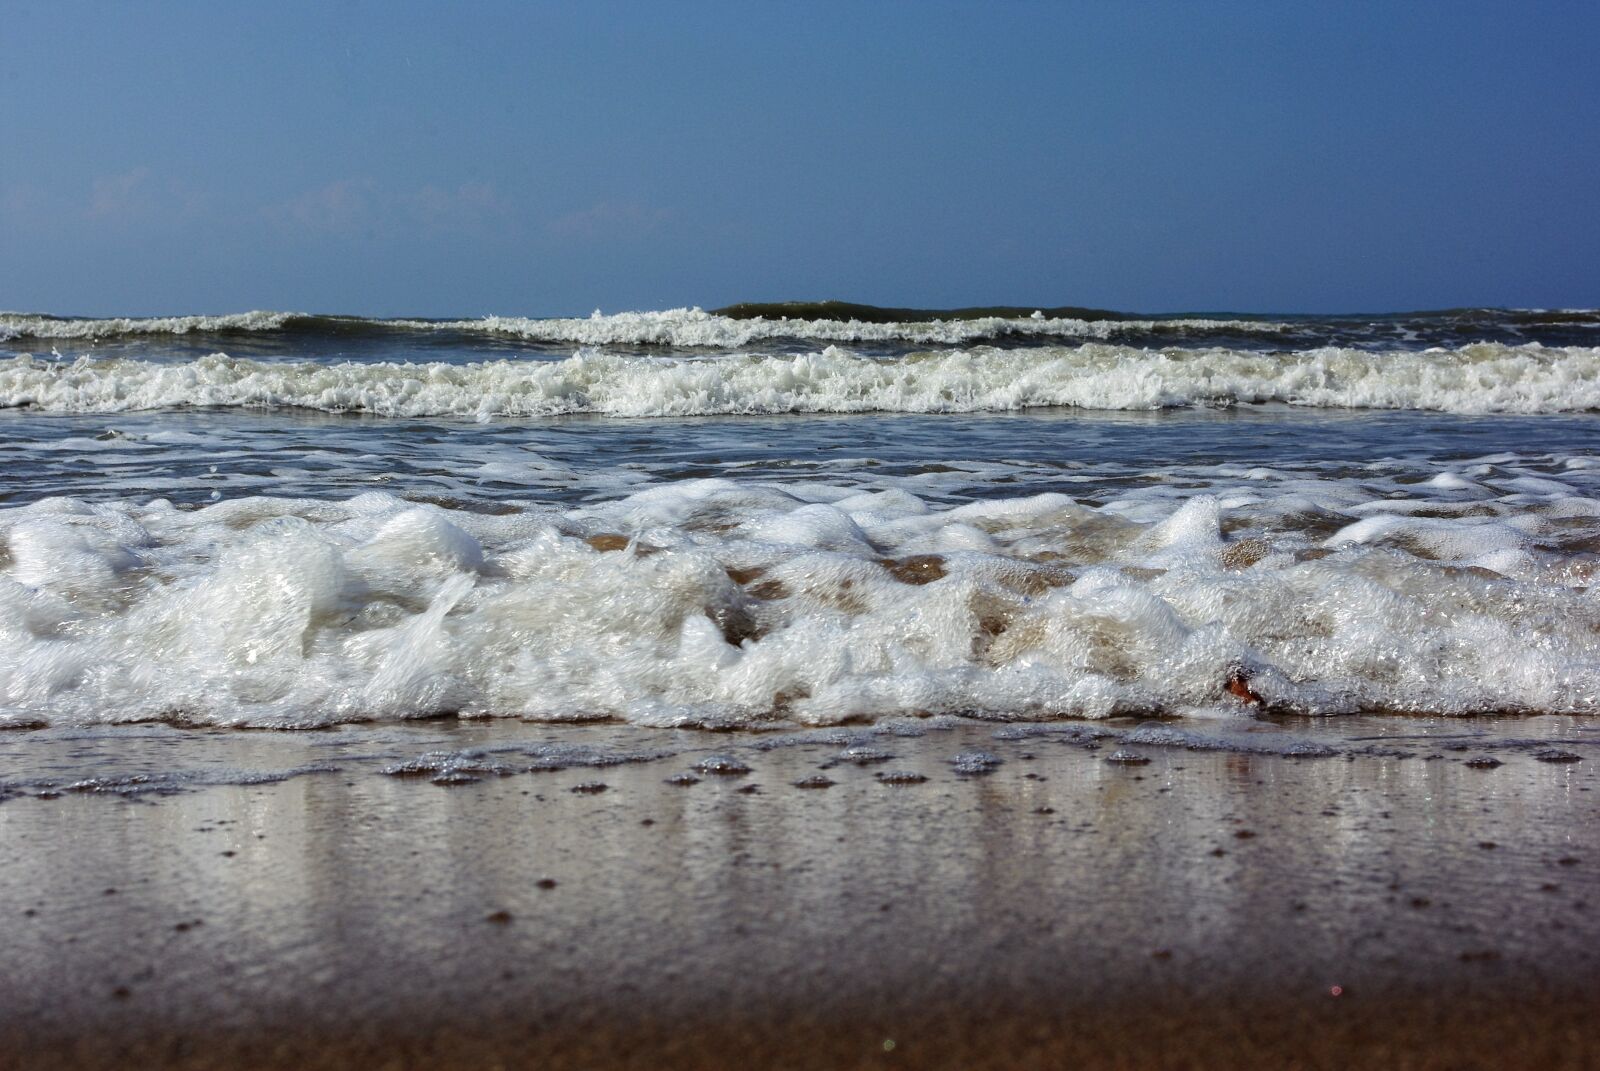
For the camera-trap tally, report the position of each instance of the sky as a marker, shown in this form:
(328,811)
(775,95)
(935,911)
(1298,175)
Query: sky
(467,159)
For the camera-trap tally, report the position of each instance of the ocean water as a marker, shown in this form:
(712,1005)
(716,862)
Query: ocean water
(686,519)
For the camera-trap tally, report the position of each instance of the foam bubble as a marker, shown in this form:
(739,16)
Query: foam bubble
(727,602)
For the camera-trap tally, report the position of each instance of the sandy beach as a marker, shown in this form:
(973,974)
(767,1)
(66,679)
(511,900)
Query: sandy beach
(1385,904)
(938,537)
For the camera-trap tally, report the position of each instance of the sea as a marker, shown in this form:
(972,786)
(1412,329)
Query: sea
(798,517)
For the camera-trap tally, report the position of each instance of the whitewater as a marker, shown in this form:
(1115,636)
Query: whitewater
(1486,378)
(691,519)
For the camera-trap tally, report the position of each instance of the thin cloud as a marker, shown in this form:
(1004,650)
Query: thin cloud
(124,196)
(139,198)
(341,208)
(471,207)
(610,219)
(360,206)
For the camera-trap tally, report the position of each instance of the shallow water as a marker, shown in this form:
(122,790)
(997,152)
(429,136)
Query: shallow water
(385,918)
(344,521)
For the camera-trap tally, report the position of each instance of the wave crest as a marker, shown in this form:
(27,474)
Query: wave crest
(743,326)
(696,328)
(1484,378)
(14,325)
(684,328)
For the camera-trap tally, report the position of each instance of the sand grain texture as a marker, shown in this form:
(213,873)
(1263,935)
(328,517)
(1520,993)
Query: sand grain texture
(1056,911)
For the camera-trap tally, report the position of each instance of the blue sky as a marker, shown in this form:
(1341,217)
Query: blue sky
(463,159)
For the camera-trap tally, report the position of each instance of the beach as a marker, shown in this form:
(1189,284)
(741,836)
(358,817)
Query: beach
(687,689)
(858,536)
(469,894)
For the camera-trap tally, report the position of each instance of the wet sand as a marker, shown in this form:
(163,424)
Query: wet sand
(1397,908)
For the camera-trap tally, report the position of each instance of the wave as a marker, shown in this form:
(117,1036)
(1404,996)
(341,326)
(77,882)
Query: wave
(16,325)
(688,328)
(1482,378)
(726,603)
(695,328)
(744,325)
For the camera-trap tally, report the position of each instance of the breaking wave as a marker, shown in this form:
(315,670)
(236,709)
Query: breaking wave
(1482,378)
(745,325)
(15,325)
(688,328)
(726,603)
(695,328)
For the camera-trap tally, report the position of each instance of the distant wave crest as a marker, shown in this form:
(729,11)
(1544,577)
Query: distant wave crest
(835,322)
(15,325)
(696,328)
(686,328)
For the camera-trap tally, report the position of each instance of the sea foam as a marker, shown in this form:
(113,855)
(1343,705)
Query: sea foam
(683,328)
(720,602)
(15,325)
(696,328)
(1481,378)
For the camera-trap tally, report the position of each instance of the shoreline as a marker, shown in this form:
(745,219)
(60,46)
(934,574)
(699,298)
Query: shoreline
(1194,910)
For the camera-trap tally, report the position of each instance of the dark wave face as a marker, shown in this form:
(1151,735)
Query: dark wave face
(785,327)
(1441,327)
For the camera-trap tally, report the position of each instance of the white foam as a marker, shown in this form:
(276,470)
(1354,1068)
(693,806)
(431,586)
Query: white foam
(677,328)
(741,603)
(14,325)
(1482,378)
(694,327)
